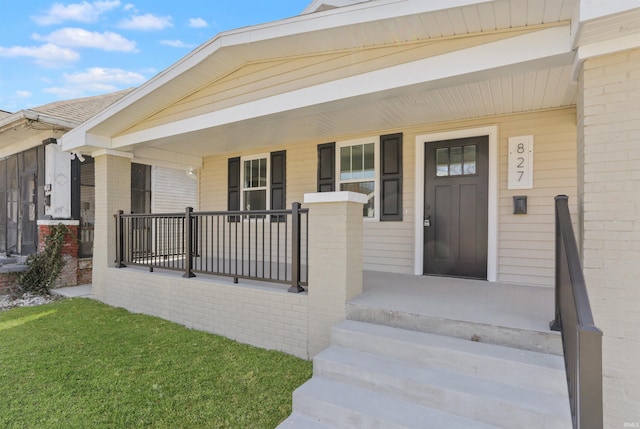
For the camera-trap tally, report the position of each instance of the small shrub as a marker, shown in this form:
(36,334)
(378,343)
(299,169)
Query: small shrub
(44,266)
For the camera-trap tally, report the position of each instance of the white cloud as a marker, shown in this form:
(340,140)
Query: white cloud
(104,76)
(128,6)
(23,94)
(147,22)
(95,80)
(198,23)
(81,12)
(64,93)
(80,38)
(175,43)
(47,55)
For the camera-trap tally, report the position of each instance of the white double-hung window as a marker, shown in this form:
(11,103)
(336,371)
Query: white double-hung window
(357,172)
(255,182)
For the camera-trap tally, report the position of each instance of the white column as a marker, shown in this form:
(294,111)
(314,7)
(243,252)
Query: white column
(335,260)
(113,193)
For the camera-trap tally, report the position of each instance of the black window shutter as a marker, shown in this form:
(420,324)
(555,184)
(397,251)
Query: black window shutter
(233,188)
(391,177)
(326,167)
(278,183)
(278,179)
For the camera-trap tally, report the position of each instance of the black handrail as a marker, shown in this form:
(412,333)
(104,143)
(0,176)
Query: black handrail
(265,245)
(581,339)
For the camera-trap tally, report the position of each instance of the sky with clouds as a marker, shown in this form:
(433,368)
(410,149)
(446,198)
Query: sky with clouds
(57,50)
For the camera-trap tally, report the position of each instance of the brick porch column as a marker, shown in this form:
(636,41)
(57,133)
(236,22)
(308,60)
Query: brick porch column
(609,197)
(69,273)
(113,193)
(335,260)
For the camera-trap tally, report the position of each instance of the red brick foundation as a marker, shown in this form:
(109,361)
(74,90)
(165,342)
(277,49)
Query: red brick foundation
(69,273)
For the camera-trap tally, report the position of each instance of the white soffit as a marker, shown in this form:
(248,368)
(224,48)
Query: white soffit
(513,91)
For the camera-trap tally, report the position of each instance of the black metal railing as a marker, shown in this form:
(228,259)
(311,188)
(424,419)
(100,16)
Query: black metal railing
(581,339)
(267,245)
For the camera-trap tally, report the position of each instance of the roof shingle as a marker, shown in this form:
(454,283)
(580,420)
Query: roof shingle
(80,109)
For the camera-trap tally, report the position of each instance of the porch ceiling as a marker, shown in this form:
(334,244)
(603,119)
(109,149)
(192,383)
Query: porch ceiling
(510,93)
(474,93)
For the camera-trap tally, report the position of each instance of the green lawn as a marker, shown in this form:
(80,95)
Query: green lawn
(78,363)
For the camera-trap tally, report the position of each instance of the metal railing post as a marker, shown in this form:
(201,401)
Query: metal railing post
(554,325)
(188,243)
(295,249)
(119,239)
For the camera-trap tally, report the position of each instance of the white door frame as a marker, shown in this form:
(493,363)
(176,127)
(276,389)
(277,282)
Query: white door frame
(492,250)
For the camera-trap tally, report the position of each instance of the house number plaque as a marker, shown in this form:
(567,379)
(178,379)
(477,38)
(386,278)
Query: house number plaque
(520,162)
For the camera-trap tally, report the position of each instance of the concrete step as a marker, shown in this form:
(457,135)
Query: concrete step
(506,365)
(449,391)
(341,405)
(544,341)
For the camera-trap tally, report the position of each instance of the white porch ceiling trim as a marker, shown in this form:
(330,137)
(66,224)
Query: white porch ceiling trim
(540,45)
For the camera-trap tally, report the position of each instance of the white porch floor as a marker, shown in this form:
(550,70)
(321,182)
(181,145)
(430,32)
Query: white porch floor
(515,315)
(515,305)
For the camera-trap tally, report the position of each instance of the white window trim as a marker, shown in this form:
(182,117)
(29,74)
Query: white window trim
(376,167)
(267,188)
(493,219)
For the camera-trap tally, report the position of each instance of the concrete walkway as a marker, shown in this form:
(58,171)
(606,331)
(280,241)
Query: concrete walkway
(83,291)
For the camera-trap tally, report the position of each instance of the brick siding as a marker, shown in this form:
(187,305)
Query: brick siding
(609,190)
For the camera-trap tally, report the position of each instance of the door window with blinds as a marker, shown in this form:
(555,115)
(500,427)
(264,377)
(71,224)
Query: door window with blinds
(357,171)
(456,161)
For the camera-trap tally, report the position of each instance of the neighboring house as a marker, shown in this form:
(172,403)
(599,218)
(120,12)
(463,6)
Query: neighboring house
(459,121)
(24,136)
(38,181)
